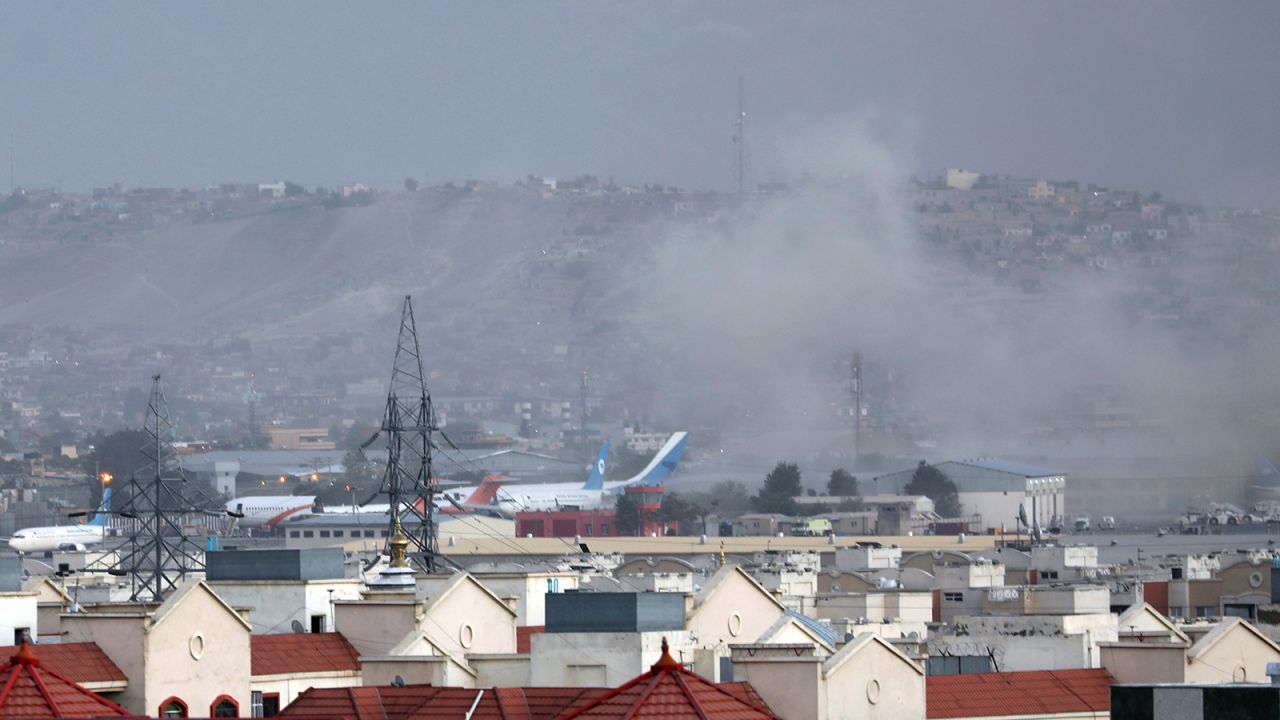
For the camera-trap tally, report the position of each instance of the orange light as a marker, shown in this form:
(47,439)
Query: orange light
(106,478)
(315,477)
(281,479)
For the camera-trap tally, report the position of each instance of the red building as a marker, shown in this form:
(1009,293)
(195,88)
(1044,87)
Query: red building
(593,523)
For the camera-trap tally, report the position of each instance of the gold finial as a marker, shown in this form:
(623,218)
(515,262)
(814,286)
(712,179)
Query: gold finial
(398,545)
(721,553)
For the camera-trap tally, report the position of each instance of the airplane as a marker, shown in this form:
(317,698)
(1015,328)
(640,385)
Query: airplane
(65,537)
(267,511)
(456,502)
(595,493)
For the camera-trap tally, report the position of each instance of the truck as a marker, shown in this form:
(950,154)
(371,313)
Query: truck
(1082,523)
(1107,523)
(812,527)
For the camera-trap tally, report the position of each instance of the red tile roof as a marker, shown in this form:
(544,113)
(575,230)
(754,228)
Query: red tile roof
(421,702)
(28,690)
(670,691)
(667,690)
(1018,693)
(82,662)
(301,653)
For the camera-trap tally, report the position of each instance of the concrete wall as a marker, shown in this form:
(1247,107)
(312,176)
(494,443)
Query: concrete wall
(18,611)
(1131,662)
(601,659)
(373,628)
(290,687)
(530,592)
(121,638)
(502,670)
(790,686)
(276,604)
(1240,656)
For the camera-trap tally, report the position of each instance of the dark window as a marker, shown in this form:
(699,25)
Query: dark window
(307,534)
(368,533)
(952,597)
(270,704)
(337,533)
(324,533)
(224,706)
(385,533)
(1177,573)
(21,634)
(317,623)
(173,707)
(294,533)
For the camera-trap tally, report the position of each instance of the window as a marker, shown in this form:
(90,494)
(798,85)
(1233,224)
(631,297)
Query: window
(224,706)
(255,703)
(1048,574)
(21,635)
(589,533)
(386,533)
(1177,573)
(270,704)
(1175,612)
(324,533)
(952,597)
(308,533)
(173,707)
(317,623)
(337,533)
(294,533)
(1204,611)
(604,528)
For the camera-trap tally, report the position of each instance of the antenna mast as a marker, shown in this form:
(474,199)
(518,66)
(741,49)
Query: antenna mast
(159,554)
(408,423)
(740,139)
(582,410)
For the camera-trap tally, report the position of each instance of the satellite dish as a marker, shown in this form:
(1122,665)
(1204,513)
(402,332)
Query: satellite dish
(397,681)
(297,626)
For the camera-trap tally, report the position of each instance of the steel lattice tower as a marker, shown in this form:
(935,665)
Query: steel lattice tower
(159,554)
(408,424)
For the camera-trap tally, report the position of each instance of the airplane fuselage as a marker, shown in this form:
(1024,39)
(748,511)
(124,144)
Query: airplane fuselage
(44,539)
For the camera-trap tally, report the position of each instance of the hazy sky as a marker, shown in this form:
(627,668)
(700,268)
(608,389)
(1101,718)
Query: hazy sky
(1181,98)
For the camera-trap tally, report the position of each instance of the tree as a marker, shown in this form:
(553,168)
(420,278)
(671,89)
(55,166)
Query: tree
(676,508)
(411,185)
(842,483)
(935,485)
(781,486)
(626,515)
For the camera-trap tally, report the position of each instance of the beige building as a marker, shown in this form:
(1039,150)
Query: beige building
(868,679)
(1153,650)
(188,655)
(730,608)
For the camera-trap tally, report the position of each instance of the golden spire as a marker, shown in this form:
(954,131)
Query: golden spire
(398,545)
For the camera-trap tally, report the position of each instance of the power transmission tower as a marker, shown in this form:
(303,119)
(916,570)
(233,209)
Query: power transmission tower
(159,554)
(408,424)
(740,140)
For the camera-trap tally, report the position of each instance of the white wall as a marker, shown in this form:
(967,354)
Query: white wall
(18,610)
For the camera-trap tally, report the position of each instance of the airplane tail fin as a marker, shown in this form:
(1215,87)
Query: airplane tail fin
(595,481)
(100,517)
(487,491)
(664,463)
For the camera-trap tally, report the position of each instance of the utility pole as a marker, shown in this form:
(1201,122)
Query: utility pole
(408,423)
(740,139)
(855,388)
(582,409)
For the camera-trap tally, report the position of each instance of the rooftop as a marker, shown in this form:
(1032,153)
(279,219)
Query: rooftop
(1018,693)
(302,653)
(29,690)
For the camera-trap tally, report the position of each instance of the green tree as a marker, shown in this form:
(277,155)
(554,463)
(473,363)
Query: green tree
(842,483)
(626,517)
(935,485)
(781,486)
(682,511)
